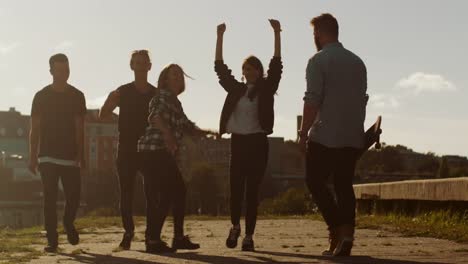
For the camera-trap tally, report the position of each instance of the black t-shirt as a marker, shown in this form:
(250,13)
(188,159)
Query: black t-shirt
(57,112)
(133,115)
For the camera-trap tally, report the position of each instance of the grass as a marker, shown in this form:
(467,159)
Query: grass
(439,224)
(15,245)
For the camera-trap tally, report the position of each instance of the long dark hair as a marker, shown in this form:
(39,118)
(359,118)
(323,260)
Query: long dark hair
(257,64)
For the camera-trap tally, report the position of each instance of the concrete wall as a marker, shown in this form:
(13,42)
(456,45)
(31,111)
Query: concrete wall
(450,189)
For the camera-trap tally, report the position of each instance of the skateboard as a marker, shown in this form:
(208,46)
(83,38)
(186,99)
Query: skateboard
(372,135)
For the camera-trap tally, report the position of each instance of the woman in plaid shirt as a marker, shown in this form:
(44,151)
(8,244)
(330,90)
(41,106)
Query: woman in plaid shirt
(158,148)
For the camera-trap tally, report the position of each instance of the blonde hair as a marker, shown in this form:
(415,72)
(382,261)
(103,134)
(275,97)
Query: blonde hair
(143,52)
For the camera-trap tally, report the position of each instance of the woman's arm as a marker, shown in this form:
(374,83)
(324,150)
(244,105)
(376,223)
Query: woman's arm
(169,139)
(275,24)
(275,68)
(219,41)
(226,79)
(158,106)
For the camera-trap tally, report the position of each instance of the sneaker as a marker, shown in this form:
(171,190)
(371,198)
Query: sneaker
(184,243)
(248,244)
(231,241)
(72,235)
(157,247)
(126,241)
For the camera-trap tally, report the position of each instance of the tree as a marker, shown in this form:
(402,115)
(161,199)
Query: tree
(429,164)
(392,159)
(443,168)
(204,188)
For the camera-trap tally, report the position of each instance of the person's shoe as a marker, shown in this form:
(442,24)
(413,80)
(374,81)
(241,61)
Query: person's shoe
(231,241)
(158,247)
(345,243)
(126,241)
(72,235)
(51,248)
(332,242)
(52,243)
(248,244)
(344,247)
(184,243)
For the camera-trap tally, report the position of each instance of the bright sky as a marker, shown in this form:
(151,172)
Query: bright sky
(415,52)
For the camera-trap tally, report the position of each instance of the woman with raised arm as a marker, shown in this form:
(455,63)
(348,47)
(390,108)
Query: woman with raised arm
(159,150)
(248,116)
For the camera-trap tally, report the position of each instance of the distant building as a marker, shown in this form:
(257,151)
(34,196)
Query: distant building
(100,184)
(14,144)
(101,139)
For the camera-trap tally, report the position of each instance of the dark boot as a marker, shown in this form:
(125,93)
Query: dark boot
(126,241)
(52,242)
(346,238)
(184,243)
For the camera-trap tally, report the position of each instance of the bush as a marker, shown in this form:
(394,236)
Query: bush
(294,201)
(104,211)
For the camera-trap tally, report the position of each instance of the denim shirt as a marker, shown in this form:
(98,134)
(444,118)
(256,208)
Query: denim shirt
(337,85)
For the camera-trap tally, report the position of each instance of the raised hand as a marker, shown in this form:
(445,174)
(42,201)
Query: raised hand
(221,29)
(275,24)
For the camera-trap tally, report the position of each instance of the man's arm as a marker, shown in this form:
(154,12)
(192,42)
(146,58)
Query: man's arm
(309,115)
(112,101)
(312,100)
(34,136)
(79,132)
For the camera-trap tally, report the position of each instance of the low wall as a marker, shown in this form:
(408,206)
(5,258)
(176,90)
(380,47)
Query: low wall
(413,196)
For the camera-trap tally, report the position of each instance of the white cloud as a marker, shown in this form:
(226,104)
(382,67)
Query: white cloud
(8,48)
(421,82)
(383,101)
(64,45)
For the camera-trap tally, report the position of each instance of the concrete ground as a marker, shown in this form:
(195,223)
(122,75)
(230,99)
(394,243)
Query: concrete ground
(277,241)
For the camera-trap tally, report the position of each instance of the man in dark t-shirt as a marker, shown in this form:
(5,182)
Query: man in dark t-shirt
(56,147)
(133,100)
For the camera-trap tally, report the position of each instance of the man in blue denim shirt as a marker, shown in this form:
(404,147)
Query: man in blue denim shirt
(333,130)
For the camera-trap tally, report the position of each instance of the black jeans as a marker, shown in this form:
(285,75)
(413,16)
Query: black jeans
(128,164)
(249,157)
(71,182)
(322,162)
(166,189)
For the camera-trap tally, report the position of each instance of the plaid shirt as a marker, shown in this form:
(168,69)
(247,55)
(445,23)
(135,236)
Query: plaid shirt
(165,105)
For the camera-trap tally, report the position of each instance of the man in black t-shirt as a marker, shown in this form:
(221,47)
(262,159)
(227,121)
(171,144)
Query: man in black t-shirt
(56,147)
(133,100)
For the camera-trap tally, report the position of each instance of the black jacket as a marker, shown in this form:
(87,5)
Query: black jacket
(267,88)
